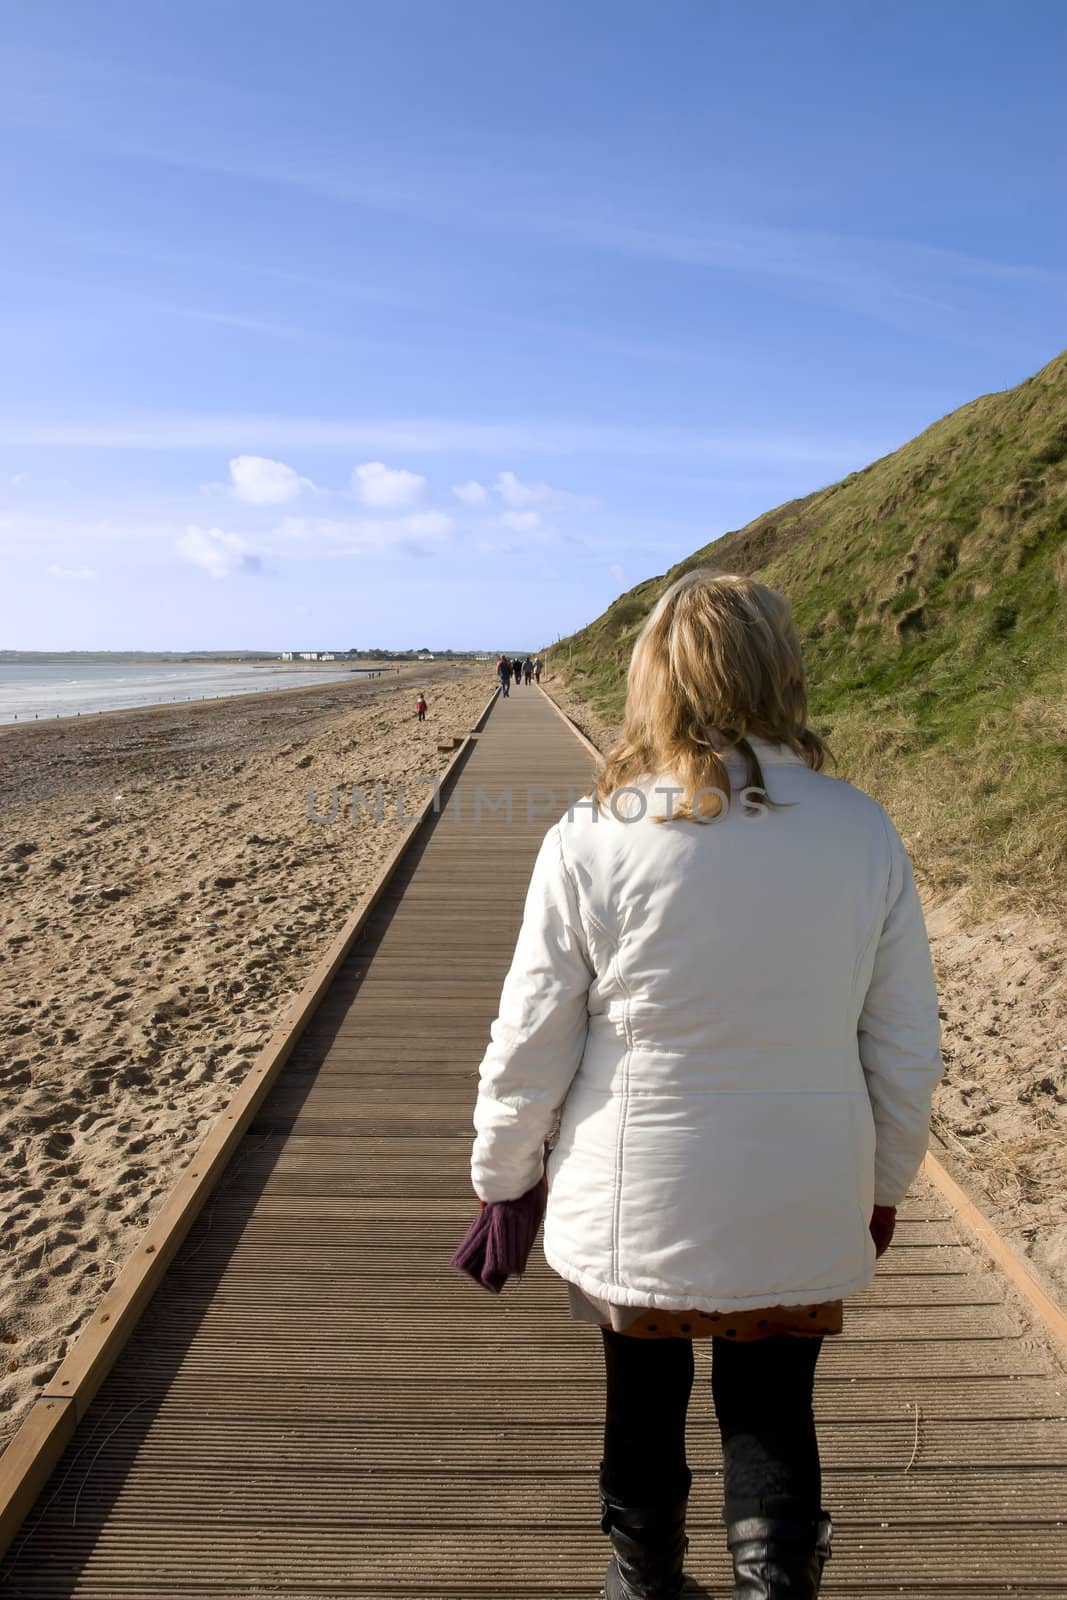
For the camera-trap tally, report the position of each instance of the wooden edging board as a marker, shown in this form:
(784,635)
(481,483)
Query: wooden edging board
(50,1423)
(1011,1263)
(572,725)
(1015,1267)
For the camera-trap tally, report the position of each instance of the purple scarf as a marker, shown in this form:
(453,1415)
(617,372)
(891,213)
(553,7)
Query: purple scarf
(499,1240)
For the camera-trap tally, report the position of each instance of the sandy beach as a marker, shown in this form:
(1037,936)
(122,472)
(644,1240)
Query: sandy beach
(164,897)
(1000,1112)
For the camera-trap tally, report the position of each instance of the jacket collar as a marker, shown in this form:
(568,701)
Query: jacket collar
(769,753)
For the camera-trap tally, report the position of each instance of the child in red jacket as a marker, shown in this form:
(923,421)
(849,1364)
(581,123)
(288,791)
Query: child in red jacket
(420,707)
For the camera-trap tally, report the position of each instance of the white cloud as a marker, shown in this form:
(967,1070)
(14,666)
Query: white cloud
(521,521)
(71,572)
(497,547)
(472,493)
(390,488)
(428,524)
(221,554)
(259,481)
(517,493)
(617,572)
(19,478)
(422,529)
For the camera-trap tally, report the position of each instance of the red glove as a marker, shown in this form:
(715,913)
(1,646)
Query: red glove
(883,1221)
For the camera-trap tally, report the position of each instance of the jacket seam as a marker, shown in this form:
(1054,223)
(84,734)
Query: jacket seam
(620,1132)
(876,933)
(584,913)
(747,1094)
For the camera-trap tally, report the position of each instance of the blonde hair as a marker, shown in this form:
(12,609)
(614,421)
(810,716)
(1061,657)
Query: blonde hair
(717,662)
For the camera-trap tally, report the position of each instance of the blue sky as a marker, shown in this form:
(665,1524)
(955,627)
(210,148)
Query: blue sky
(444,321)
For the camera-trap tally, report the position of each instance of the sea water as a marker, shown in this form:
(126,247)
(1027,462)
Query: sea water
(31,690)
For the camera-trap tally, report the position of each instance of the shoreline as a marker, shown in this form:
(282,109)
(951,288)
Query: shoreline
(343,675)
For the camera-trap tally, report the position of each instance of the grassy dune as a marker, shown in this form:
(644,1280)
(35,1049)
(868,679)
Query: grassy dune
(929,592)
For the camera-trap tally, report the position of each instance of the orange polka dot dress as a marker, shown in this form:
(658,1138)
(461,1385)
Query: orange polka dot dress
(766,1322)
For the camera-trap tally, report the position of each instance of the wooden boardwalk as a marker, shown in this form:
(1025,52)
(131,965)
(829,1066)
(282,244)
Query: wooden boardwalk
(315,1405)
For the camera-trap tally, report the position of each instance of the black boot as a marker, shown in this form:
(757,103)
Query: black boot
(775,1559)
(649,1545)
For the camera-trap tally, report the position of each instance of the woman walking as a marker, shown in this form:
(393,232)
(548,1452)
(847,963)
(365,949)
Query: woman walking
(721,1021)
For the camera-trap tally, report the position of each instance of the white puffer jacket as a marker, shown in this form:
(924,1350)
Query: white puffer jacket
(738,1024)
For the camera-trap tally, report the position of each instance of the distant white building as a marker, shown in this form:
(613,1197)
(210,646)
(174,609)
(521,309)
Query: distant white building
(427,655)
(287,655)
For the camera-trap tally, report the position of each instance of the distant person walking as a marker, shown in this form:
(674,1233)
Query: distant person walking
(503,668)
(527,669)
(420,707)
(516,667)
(539,667)
(721,1026)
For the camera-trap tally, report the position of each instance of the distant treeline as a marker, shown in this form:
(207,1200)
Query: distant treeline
(410,655)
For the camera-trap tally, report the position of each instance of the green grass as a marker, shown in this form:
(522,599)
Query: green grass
(929,593)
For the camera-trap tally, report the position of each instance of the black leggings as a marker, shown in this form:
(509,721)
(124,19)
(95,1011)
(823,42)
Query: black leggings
(762,1393)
